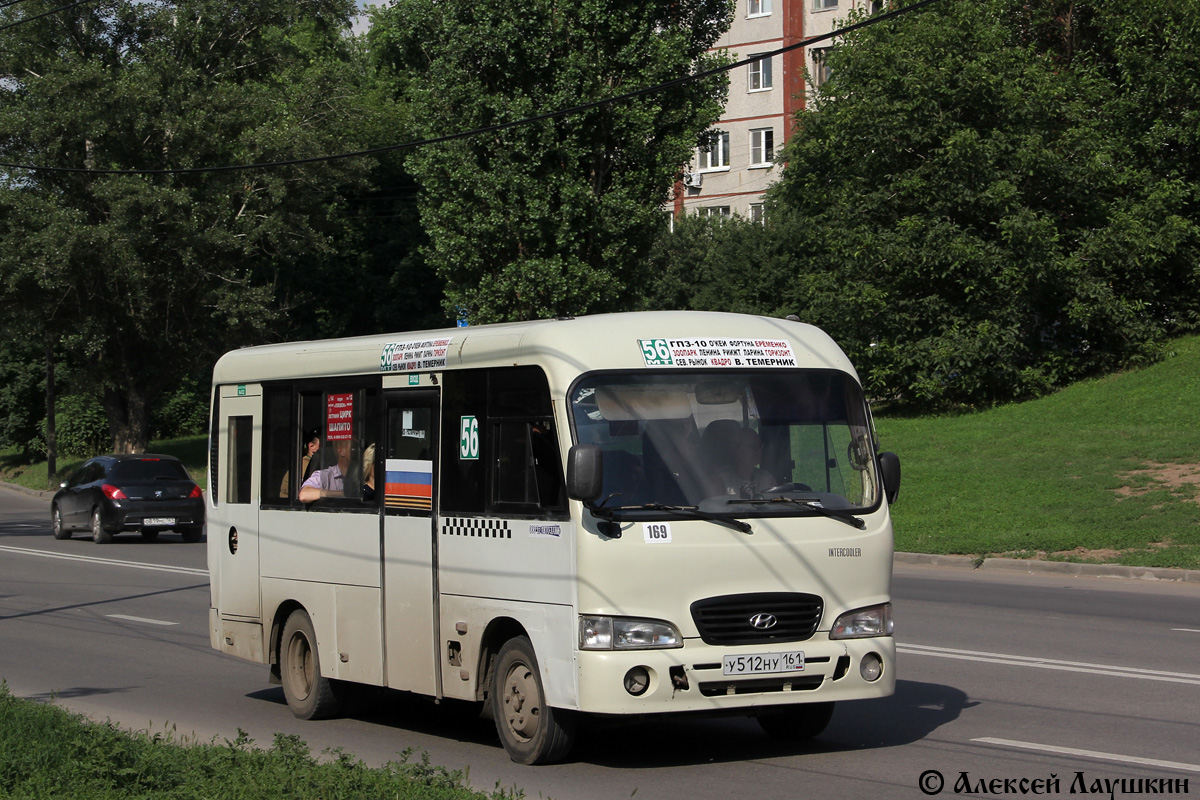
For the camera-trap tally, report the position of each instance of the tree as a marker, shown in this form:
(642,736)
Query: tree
(157,274)
(990,199)
(553,217)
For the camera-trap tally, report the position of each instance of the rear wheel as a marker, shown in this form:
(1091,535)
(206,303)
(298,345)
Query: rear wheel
(192,534)
(56,521)
(309,695)
(799,722)
(99,535)
(531,731)
(149,536)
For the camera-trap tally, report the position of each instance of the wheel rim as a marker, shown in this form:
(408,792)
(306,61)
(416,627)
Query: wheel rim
(96,526)
(300,666)
(522,702)
(57,521)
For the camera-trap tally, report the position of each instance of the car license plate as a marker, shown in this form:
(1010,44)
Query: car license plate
(158,521)
(763,663)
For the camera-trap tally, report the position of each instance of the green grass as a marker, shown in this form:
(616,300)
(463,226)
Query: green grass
(1059,477)
(191,450)
(47,752)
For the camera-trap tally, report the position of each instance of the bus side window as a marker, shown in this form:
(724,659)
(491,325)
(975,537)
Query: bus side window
(279,433)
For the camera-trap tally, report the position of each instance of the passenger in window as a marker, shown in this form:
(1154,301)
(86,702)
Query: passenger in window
(368,489)
(747,457)
(329,482)
(308,465)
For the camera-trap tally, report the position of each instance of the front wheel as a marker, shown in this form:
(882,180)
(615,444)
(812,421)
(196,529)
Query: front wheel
(308,693)
(99,535)
(56,521)
(795,723)
(531,731)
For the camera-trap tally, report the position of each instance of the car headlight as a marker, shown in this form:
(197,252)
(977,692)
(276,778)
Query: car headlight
(863,622)
(623,633)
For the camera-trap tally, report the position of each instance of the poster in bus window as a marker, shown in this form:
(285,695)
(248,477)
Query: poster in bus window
(339,417)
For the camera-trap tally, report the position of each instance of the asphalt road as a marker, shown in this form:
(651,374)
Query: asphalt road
(1002,677)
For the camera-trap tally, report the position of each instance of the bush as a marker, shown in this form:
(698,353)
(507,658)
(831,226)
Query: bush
(81,429)
(184,412)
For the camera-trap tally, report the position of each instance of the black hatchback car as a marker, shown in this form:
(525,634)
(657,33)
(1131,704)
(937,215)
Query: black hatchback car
(142,492)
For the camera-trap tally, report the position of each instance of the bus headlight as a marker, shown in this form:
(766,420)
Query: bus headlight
(863,622)
(623,633)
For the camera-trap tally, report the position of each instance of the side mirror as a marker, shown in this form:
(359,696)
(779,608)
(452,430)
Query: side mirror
(585,471)
(889,468)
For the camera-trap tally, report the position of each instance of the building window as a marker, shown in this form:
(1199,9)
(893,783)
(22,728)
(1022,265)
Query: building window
(760,74)
(762,147)
(824,5)
(757,213)
(758,8)
(714,154)
(820,70)
(720,212)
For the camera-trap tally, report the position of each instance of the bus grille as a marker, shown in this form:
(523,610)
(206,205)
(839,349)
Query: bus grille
(730,619)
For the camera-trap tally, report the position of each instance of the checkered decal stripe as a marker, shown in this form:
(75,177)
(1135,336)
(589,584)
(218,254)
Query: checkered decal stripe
(478,528)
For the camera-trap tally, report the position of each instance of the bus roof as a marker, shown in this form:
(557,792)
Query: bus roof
(564,347)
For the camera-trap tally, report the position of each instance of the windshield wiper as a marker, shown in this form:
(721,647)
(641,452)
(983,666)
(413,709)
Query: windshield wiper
(809,505)
(606,513)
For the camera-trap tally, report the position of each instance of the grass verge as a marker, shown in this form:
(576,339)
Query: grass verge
(191,450)
(48,752)
(1107,470)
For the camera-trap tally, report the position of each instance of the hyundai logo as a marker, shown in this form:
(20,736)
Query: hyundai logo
(764,621)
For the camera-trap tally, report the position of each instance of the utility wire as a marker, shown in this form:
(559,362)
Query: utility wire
(39,16)
(489,128)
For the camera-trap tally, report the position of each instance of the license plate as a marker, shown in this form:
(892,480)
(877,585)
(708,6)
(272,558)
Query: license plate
(763,663)
(158,521)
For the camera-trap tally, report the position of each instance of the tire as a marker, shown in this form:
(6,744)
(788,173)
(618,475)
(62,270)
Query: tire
(531,731)
(192,534)
(56,522)
(99,535)
(308,693)
(795,723)
(150,536)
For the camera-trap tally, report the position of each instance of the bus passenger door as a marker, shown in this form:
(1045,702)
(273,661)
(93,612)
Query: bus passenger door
(410,542)
(233,505)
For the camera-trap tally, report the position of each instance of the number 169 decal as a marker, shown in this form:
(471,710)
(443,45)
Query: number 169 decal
(656,532)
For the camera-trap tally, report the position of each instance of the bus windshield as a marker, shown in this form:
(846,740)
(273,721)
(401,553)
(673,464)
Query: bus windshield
(743,443)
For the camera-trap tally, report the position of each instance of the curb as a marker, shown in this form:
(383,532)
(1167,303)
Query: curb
(1034,567)
(45,495)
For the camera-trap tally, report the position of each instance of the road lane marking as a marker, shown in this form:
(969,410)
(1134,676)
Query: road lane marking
(1186,630)
(112,562)
(1072,751)
(1050,663)
(146,620)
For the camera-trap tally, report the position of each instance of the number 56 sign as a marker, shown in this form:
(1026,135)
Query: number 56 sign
(468,438)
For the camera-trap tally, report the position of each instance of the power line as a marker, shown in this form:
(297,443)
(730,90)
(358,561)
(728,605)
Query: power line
(39,16)
(489,128)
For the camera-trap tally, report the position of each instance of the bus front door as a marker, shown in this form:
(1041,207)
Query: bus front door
(410,542)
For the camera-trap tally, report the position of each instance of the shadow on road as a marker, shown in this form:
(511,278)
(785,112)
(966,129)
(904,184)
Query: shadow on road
(915,711)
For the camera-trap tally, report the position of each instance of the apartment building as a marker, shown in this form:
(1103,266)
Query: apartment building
(730,174)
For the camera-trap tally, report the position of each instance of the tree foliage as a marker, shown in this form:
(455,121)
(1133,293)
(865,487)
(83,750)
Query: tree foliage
(991,199)
(144,279)
(554,217)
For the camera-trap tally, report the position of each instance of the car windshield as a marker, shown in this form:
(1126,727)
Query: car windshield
(148,470)
(741,443)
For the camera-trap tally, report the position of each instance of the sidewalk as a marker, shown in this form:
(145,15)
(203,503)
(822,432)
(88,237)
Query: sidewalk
(1027,565)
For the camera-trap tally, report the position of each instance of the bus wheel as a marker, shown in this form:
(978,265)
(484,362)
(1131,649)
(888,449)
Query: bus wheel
(531,731)
(798,722)
(309,695)
(99,535)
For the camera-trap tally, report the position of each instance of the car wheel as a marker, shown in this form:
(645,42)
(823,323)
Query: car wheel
(308,693)
(150,536)
(60,531)
(192,534)
(794,723)
(531,731)
(99,535)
